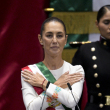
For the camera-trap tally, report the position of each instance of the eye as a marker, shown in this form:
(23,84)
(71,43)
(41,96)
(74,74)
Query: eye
(59,36)
(49,36)
(106,22)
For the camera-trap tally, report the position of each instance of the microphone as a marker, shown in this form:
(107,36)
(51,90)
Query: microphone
(45,94)
(69,86)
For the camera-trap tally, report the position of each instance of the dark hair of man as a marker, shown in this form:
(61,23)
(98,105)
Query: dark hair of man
(102,11)
(49,20)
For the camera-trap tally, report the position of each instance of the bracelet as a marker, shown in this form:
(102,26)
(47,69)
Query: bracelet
(48,84)
(43,82)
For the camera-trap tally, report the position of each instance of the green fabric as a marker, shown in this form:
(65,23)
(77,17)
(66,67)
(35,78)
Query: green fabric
(71,5)
(48,76)
(46,72)
(75,37)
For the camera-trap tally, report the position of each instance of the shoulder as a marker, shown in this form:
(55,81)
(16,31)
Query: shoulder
(70,65)
(33,68)
(89,45)
(75,68)
(84,48)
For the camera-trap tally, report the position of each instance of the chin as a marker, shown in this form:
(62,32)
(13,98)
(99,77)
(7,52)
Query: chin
(55,53)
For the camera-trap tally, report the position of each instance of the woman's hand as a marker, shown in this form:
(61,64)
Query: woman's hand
(68,78)
(33,79)
(62,81)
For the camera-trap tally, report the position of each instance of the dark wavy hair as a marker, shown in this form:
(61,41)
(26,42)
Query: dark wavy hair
(102,11)
(49,20)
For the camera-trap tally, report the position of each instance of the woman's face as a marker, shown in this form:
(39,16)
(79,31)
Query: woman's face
(104,25)
(53,38)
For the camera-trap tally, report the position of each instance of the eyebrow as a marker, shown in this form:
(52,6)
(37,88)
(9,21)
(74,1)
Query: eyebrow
(49,32)
(52,32)
(106,19)
(60,32)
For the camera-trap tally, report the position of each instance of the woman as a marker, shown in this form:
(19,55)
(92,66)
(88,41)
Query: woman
(54,69)
(95,59)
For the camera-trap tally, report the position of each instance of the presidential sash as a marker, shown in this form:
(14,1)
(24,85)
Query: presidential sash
(45,71)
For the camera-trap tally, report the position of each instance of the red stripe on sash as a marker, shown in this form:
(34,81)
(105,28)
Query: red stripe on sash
(37,89)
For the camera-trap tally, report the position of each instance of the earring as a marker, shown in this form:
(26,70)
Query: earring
(41,43)
(65,44)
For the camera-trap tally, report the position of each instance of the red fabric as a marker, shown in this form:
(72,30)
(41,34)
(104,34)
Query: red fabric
(20,23)
(84,96)
(37,89)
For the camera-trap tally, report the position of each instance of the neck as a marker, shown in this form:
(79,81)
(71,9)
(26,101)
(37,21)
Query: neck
(53,62)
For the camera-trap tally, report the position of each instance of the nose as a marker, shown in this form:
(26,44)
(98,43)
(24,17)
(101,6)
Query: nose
(54,39)
(109,26)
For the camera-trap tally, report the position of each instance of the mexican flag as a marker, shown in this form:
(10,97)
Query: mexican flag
(79,17)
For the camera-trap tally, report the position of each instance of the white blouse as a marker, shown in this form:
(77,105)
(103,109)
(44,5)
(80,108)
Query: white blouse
(55,96)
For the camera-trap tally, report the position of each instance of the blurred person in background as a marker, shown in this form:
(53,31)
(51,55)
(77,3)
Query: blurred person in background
(95,59)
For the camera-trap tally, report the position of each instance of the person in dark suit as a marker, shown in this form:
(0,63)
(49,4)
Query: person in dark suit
(95,59)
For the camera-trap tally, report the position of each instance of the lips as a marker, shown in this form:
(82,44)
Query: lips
(54,47)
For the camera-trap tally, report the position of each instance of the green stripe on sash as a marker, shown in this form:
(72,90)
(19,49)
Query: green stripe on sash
(48,76)
(46,72)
